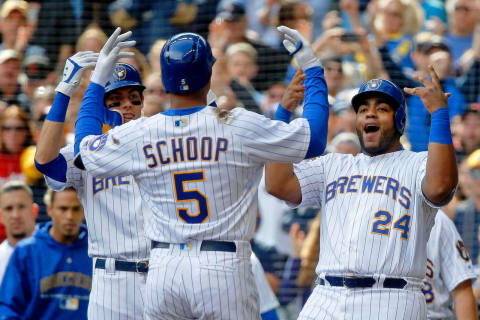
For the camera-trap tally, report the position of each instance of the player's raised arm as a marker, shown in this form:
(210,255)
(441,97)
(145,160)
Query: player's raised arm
(441,175)
(47,157)
(91,114)
(280,178)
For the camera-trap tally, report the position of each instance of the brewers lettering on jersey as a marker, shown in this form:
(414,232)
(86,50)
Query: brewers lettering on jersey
(198,169)
(377,207)
(449,273)
(114,212)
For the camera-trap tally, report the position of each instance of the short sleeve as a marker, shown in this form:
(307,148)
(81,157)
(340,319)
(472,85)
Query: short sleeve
(73,174)
(113,153)
(456,264)
(267,140)
(311,176)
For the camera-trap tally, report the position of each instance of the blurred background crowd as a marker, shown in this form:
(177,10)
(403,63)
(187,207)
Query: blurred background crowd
(355,40)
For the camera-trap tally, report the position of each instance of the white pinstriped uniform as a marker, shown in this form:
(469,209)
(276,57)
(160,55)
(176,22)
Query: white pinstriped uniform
(114,215)
(448,265)
(206,190)
(375,223)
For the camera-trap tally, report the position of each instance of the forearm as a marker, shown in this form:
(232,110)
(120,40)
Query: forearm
(51,136)
(281,182)
(441,175)
(465,305)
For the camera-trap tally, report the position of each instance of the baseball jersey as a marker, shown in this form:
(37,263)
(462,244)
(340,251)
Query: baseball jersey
(197,170)
(113,211)
(448,265)
(375,219)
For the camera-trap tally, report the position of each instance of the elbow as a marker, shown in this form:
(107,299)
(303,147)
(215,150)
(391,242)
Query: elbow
(274,190)
(441,194)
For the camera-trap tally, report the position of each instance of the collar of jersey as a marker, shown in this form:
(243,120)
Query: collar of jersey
(182,112)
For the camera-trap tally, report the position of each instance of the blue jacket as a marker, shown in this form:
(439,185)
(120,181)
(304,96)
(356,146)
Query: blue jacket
(47,280)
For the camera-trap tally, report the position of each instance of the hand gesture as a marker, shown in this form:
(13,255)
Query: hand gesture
(432,94)
(109,55)
(297,46)
(74,67)
(295,91)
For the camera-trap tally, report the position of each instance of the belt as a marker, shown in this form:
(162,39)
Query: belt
(362,282)
(139,266)
(207,245)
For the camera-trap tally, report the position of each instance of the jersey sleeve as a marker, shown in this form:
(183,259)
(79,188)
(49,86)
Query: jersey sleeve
(73,174)
(14,291)
(456,265)
(113,153)
(422,165)
(267,140)
(311,176)
(268,300)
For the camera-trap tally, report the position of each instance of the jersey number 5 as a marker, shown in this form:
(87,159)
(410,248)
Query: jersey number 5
(185,195)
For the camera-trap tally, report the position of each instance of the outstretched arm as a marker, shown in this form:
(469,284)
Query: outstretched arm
(47,158)
(441,175)
(464,302)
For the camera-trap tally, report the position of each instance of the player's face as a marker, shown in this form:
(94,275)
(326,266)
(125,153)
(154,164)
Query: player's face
(376,127)
(67,216)
(127,100)
(18,213)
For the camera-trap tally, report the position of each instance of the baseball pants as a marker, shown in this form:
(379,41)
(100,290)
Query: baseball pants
(186,283)
(115,294)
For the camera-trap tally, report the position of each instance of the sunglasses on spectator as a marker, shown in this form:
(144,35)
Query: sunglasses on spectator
(332,69)
(153,90)
(462,8)
(14,128)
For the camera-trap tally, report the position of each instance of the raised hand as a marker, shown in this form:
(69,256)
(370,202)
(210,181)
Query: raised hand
(74,67)
(299,47)
(109,55)
(295,92)
(432,94)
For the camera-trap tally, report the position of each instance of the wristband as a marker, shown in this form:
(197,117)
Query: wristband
(282,114)
(440,127)
(58,110)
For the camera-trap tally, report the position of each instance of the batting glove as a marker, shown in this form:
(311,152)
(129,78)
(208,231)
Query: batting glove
(74,67)
(109,55)
(299,47)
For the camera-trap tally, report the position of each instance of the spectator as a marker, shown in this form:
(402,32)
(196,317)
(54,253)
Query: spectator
(36,70)
(138,61)
(467,214)
(461,22)
(242,68)
(155,97)
(154,55)
(18,212)
(271,98)
(92,39)
(49,275)
(15,137)
(10,67)
(14,29)
(470,131)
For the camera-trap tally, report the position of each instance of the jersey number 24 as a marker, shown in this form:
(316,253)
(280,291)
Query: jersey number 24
(182,194)
(383,220)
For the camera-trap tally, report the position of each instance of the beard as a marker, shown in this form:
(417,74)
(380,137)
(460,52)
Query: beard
(387,140)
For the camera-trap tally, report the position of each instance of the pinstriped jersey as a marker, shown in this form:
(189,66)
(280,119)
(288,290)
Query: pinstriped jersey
(448,265)
(113,212)
(375,219)
(197,172)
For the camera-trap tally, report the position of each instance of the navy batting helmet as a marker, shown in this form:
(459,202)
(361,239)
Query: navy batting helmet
(187,62)
(390,92)
(124,75)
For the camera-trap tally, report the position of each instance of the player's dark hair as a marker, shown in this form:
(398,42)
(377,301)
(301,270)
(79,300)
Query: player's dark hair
(49,197)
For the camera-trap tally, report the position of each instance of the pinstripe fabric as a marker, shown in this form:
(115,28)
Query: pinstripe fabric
(375,222)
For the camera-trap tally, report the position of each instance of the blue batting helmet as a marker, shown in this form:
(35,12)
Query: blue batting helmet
(124,75)
(187,62)
(389,91)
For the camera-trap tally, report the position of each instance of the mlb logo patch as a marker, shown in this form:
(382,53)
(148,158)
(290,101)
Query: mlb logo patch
(183,85)
(181,123)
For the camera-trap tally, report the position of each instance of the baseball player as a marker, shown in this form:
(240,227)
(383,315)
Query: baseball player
(377,208)
(449,273)
(266,298)
(114,211)
(198,168)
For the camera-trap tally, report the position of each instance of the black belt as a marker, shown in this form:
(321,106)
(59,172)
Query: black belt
(139,266)
(207,245)
(362,282)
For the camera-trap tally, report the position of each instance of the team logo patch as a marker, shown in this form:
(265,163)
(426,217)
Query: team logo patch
(98,143)
(120,73)
(181,123)
(374,84)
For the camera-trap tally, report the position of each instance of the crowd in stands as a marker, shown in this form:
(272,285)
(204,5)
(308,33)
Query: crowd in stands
(355,40)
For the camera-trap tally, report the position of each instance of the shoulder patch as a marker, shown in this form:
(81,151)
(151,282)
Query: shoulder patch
(98,143)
